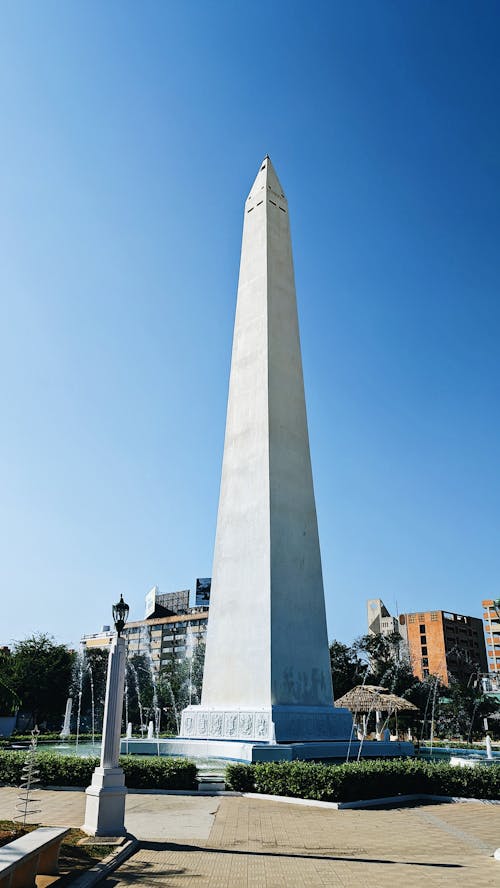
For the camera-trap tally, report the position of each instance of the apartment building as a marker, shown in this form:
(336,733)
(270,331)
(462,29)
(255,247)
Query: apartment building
(164,634)
(445,644)
(491,622)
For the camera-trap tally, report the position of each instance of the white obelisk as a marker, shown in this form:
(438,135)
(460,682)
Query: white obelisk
(267,669)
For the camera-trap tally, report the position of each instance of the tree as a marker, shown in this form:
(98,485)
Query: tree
(9,700)
(460,710)
(41,676)
(347,667)
(197,667)
(383,651)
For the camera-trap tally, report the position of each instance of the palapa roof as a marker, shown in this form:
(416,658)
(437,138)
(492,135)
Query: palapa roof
(365,698)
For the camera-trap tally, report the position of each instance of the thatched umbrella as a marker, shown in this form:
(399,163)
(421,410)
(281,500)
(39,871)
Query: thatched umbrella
(399,704)
(364,699)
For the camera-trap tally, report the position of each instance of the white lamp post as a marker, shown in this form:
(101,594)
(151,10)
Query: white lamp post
(105,807)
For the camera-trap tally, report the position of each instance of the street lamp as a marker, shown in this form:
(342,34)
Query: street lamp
(120,614)
(105,805)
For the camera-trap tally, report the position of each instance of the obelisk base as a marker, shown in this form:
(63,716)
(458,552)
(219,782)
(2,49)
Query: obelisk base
(274,724)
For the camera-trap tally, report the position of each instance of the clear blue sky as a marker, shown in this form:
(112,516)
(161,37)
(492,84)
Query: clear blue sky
(130,134)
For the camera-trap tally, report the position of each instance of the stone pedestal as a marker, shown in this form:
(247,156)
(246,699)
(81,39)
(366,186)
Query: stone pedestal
(105,806)
(275,724)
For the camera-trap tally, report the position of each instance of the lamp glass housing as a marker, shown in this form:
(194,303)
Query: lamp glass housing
(120,614)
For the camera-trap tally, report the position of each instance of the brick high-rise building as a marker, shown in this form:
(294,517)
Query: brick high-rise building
(445,644)
(492,633)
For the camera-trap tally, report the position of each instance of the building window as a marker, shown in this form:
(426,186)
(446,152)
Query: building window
(423,640)
(411,618)
(424,651)
(434,616)
(425,661)
(422,627)
(425,673)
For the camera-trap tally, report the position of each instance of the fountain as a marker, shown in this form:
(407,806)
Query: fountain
(489,752)
(82,668)
(66,728)
(138,693)
(465,758)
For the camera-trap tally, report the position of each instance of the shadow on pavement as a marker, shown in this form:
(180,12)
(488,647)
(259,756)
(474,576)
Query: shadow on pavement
(171,846)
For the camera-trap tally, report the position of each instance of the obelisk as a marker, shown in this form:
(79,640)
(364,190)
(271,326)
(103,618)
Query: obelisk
(267,669)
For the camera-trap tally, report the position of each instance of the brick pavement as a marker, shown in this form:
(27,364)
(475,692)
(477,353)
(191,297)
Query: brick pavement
(232,842)
(257,844)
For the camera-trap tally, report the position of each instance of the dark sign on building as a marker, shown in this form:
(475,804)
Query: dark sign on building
(203,585)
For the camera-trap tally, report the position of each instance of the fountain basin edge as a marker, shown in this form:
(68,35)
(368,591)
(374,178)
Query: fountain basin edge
(241,751)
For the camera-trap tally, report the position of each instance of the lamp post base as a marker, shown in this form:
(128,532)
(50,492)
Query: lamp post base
(105,806)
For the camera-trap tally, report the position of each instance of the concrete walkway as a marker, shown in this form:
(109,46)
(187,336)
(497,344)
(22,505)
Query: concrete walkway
(147,816)
(232,842)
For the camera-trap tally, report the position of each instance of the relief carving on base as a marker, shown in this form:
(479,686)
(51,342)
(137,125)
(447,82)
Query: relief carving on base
(262,726)
(216,724)
(246,724)
(202,723)
(231,724)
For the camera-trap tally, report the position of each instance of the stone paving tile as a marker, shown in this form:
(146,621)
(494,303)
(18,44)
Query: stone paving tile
(256,844)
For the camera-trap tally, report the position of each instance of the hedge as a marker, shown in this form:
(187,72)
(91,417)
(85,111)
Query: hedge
(63,770)
(453,744)
(364,780)
(158,772)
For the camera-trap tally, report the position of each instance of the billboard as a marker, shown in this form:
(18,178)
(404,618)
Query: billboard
(203,585)
(150,602)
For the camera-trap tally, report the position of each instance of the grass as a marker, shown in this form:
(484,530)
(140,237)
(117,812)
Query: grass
(73,859)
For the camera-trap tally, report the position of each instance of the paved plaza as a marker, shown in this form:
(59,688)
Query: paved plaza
(224,842)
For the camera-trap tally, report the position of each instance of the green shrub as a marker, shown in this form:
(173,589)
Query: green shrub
(155,772)
(54,769)
(451,744)
(240,778)
(364,780)
(64,770)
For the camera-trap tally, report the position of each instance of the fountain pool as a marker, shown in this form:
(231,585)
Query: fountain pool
(468,756)
(205,765)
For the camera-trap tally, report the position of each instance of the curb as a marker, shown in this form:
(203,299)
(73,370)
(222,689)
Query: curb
(106,866)
(139,791)
(184,792)
(368,803)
